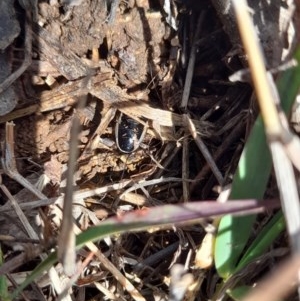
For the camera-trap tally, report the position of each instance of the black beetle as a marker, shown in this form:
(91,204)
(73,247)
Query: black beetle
(129,134)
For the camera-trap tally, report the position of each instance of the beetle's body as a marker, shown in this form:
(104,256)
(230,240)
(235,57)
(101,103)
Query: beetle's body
(129,134)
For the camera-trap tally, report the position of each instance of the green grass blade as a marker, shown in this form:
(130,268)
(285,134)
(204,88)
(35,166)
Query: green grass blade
(4,296)
(250,180)
(142,220)
(264,239)
(37,272)
(288,84)
(240,292)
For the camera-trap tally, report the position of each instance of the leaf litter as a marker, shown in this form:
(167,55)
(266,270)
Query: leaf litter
(138,56)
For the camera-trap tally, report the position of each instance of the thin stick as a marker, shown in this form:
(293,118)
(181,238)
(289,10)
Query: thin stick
(66,241)
(110,267)
(288,192)
(75,276)
(185,171)
(205,152)
(9,167)
(144,183)
(191,65)
(29,205)
(27,226)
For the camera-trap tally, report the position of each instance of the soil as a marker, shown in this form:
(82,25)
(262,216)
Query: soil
(129,59)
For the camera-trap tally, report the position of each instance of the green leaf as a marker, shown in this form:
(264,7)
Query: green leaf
(263,241)
(240,292)
(250,180)
(38,271)
(142,220)
(4,296)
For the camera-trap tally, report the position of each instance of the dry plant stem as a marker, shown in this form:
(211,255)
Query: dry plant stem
(9,167)
(64,95)
(288,192)
(101,190)
(19,260)
(110,267)
(75,277)
(27,57)
(185,171)
(67,224)
(13,282)
(27,226)
(66,242)
(29,205)
(108,117)
(156,257)
(136,108)
(191,65)
(276,133)
(236,132)
(280,283)
(144,183)
(10,238)
(169,154)
(106,292)
(206,154)
(258,70)
(268,97)
(9,164)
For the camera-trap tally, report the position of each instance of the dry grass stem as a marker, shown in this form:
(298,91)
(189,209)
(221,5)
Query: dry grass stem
(9,166)
(205,152)
(185,171)
(275,131)
(191,64)
(259,74)
(66,242)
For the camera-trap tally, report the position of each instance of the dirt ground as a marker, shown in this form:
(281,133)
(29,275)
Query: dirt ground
(129,63)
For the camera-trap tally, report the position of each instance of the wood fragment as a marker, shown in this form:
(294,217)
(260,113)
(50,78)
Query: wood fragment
(64,60)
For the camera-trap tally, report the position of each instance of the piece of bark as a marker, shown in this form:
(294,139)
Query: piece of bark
(9,30)
(8,98)
(63,59)
(9,26)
